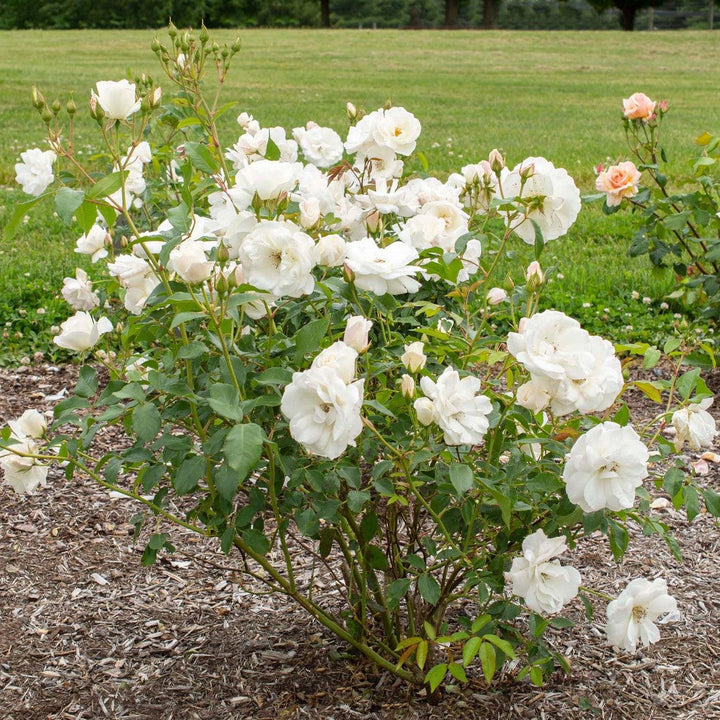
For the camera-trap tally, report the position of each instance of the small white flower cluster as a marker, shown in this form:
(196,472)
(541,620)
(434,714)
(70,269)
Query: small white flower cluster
(570,370)
(23,473)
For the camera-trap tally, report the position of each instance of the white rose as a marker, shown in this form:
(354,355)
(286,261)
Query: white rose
(383,270)
(694,425)
(278,257)
(357,329)
(553,197)
(496,295)
(604,468)
(117,99)
(268,179)
(80,332)
(361,134)
(458,407)
(533,397)
(414,358)
(341,358)
(189,261)
(542,582)
(35,172)
(321,146)
(424,410)
(407,386)
(397,129)
(78,291)
(93,243)
(309,212)
(323,411)
(23,474)
(631,616)
(330,250)
(30,424)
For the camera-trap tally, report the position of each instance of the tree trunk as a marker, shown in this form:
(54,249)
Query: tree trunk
(490,14)
(451,13)
(627,17)
(325,13)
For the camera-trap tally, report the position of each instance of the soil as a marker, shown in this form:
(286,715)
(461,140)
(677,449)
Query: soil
(87,632)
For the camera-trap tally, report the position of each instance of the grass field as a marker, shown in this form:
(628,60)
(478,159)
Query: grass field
(529,93)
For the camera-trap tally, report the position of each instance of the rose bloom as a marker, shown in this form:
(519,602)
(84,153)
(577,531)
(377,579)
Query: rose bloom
(78,291)
(323,411)
(137,277)
(321,146)
(80,332)
(117,99)
(35,172)
(341,358)
(414,358)
(639,107)
(496,295)
(618,181)
(93,243)
(30,424)
(189,261)
(356,334)
(268,179)
(458,407)
(631,616)
(330,250)
(541,581)
(694,425)
(604,467)
(383,270)
(278,257)
(532,397)
(551,195)
(397,129)
(23,474)
(407,385)
(424,410)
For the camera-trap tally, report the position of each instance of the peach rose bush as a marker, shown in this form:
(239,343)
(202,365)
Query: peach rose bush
(313,361)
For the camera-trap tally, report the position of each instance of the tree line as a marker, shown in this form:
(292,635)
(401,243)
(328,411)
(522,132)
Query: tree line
(63,14)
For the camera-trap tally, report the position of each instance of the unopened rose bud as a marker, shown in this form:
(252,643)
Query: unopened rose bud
(223,254)
(156,97)
(407,386)
(221,285)
(497,163)
(528,171)
(46,115)
(351,110)
(172,30)
(156,45)
(348,273)
(204,34)
(496,295)
(414,358)
(236,45)
(56,106)
(508,284)
(424,410)
(534,276)
(71,107)
(356,334)
(38,100)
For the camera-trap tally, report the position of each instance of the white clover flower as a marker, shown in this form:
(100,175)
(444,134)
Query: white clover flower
(458,407)
(93,243)
(80,332)
(604,468)
(553,197)
(323,411)
(117,99)
(278,257)
(631,616)
(383,270)
(694,425)
(35,172)
(78,291)
(341,358)
(544,584)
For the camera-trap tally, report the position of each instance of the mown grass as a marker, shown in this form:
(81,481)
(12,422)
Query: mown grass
(529,93)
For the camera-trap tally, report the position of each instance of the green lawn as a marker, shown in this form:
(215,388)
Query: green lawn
(529,93)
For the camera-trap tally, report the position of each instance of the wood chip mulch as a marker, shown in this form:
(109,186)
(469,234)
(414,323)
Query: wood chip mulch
(87,633)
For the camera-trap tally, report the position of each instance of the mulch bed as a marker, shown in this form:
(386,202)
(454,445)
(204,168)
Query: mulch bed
(87,632)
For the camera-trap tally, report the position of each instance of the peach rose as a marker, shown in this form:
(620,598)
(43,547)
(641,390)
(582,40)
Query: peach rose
(618,181)
(639,107)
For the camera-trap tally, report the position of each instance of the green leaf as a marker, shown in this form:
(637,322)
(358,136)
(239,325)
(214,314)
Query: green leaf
(157,541)
(429,588)
(274,376)
(649,390)
(396,591)
(226,539)
(692,504)
(461,477)
(712,502)
(21,210)
(225,400)
(226,482)
(192,351)
(107,185)
(652,357)
(501,644)
(243,448)
(536,675)
(87,383)
(86,215)
(686,383)
(188,474)
(201,157)
(673,481)
(457,672)
(356,499)
(256,541)
(67,201)
(272,151)
(618,535)
(307,339)
(184,317)
(561,622)
(471,649)
(488,661)
(436,676)
(146,421)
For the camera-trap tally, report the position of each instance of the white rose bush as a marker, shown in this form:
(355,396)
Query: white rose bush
(307,347)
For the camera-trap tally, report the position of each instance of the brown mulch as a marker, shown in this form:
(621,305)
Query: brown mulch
(87,632)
